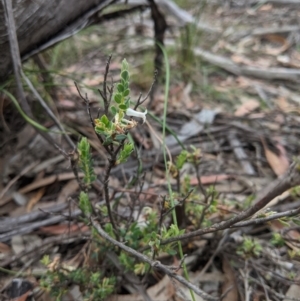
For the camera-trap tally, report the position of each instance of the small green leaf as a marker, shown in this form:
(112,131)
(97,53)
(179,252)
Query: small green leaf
(120,88)
(126,92)
(118,98)
(113,110)
(127,102)
(181,159)
(125,75)
(124,65)
(45,260)
(122,107)
(85,204)
(105,120)
(121,137)
(172,252)
(85,161)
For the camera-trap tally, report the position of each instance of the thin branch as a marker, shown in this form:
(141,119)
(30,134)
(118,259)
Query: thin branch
(287,181)
(16,60)
(106,195)
(154,264)
(88,108)
(139,101)
(263,220)
(15,53)
(265,286)
(47,109)
(47,243)
(74,157)
(104,95)
(87,103)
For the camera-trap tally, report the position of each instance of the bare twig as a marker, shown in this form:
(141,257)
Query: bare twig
(46,76)
(262,220)
(15,53)
(74,157)
(111,163)
(290,179)
(88,108)
(47,109)
(215,253)
(139,101)
(154,264)
(240,154)
(247,288)
(129,276)
(160,26)
(104,96)
(14,47)
(28,228)
(271,290)
(11,223)
(47,243)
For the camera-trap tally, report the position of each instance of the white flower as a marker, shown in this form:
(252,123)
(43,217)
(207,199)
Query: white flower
(131,112)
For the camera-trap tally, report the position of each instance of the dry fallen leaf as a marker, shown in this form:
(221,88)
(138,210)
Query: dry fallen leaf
(64,228)
(229,286)
(23,297)
(4,249)
(293,291)
(247,107)
(205,180)
(35,199)
(279,163)
(266,7)
(276,39)
(67,190)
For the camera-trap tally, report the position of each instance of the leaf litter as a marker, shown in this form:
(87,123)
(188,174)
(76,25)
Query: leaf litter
(245,143)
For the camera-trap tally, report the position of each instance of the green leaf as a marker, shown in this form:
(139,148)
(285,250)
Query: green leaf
(113,110)
(181,159)
(125,75)
(120,88)
(105,120)
(85,204)
(122,107)
(127,103)
(85,161)
(126,92)
(124,65)
(121,137)
(125,152)
(118,98)
(108,141)
(172,252)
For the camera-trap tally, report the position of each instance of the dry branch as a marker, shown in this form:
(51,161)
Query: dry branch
(154,264)
(290,179)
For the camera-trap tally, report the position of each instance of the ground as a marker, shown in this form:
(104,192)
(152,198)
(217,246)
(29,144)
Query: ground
(233,96)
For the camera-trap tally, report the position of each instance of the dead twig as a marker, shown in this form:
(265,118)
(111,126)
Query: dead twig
(263,220)
(47,243)
(47,109)
(16,59)
(154,264)
(240,154)
(287,181)
(29,228)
